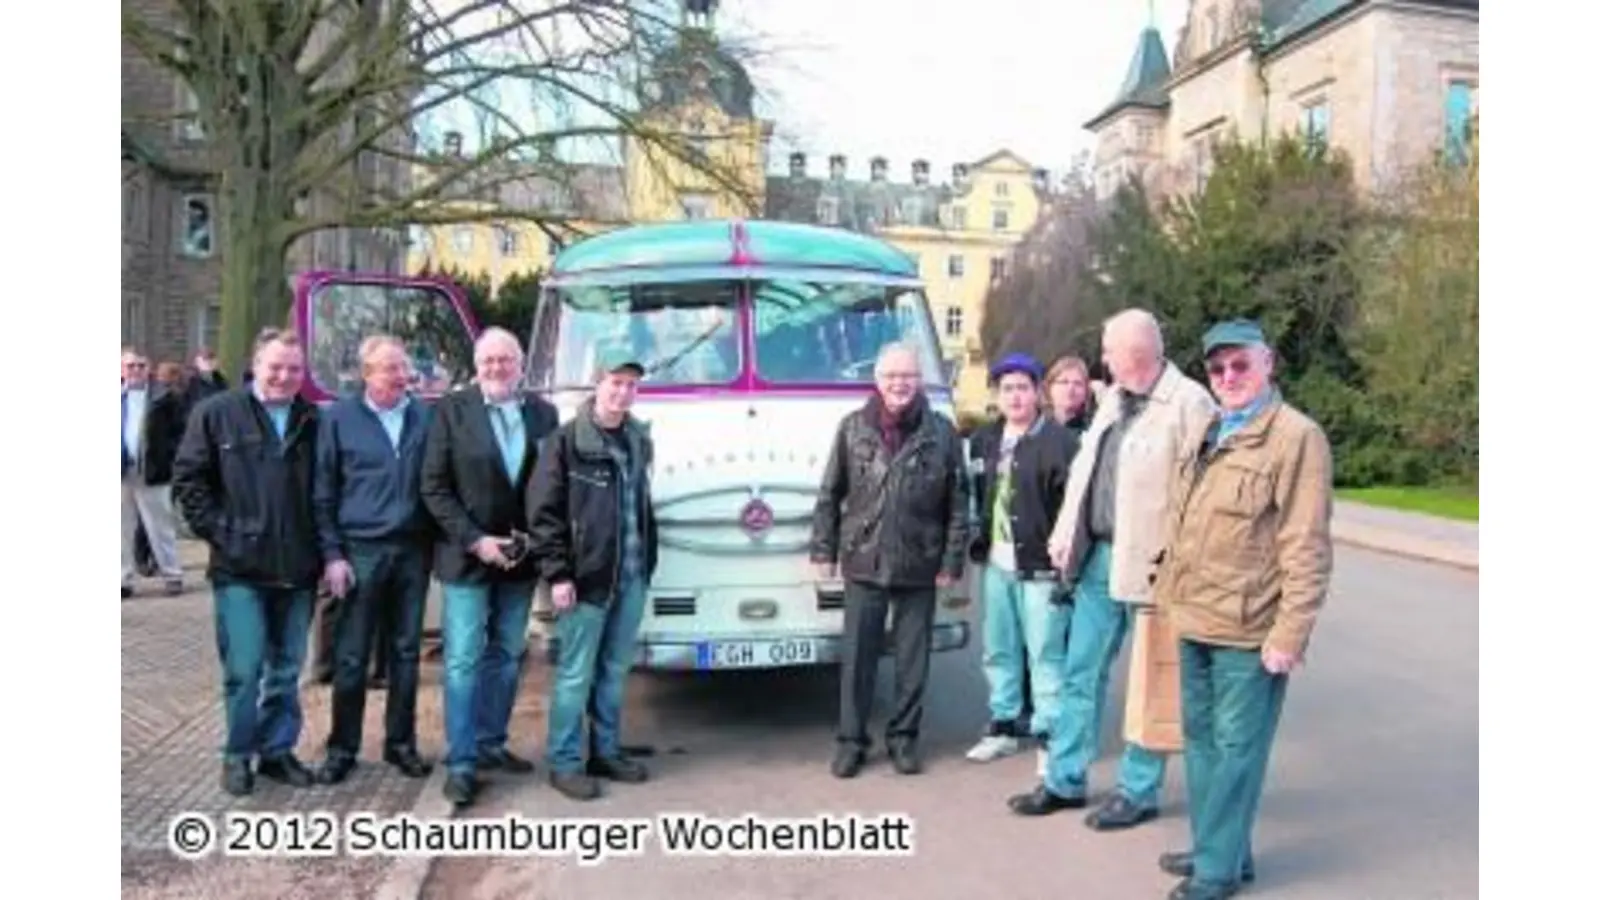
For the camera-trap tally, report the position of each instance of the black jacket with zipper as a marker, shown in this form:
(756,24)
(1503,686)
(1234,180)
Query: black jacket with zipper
(1039,467)
(574,507)
(893,521)
(247,494)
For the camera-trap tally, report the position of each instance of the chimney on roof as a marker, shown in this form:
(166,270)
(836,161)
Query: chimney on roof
(1041,180)
(880,168)
(958,174)
(452,143)
(797,165)
(919,172)
(836,167)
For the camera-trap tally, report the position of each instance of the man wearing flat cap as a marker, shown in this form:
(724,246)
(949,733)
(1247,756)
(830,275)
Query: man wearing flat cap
(1245,571)
(592,528)
(1024,473)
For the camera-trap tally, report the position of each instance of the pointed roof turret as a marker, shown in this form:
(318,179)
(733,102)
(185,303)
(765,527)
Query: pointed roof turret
(1145,85)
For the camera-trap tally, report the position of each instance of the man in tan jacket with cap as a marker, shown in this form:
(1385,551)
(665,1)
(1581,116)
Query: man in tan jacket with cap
(1246,570)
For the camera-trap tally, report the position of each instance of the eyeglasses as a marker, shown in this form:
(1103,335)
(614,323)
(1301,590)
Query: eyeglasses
(1238,366)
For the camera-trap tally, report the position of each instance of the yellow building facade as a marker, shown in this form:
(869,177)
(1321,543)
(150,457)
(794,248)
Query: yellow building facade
(961,231)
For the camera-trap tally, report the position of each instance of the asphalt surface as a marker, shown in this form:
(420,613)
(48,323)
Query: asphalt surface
(1373,791)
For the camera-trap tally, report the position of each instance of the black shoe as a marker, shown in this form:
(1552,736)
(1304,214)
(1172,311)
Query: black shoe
(1181,864)
(410,764)
(848,760)
(906,759)
(336,769)
(620,769)
(575,785)
(1041,802)
(461,790)
(1189,889)
(237,779)
(1118,813)
(287,770)
(505,761)
(127,592)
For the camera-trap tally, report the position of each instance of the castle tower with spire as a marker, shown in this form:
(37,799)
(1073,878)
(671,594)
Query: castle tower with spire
(1130,133)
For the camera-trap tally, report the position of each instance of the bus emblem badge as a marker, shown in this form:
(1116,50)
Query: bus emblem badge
(756,518)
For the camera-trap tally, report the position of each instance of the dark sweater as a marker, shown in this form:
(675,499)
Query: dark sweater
(364,489)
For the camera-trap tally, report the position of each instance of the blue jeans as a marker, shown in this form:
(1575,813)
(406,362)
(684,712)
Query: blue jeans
(261,638)
(1231,707)
(1020,622)
(485,631)
(1099,624)
(597,649)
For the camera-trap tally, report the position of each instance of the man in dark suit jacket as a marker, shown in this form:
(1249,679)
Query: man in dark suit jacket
(152,426)
(481,451)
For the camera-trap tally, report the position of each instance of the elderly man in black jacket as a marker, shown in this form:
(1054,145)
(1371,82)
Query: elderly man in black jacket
(242,478)
(482,447)
(891,517)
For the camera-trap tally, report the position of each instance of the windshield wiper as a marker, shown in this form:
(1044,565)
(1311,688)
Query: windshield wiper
(688,348)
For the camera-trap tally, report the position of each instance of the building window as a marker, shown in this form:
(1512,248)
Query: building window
(828,210)
(1002,189)
(1002,220)
(197,236)
(958,218)
(956,266)
(1460,105)
(461,238)
(696,206)
(997,268)
(186,125)
(952,321)
(1144,136)
(207,325)
(508,240)
(1314,123)
(134,219)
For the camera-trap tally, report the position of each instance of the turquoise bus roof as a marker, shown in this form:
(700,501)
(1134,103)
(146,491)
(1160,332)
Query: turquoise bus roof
(716,249)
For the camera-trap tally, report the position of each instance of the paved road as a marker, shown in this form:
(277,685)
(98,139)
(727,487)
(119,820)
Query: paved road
(1373,792)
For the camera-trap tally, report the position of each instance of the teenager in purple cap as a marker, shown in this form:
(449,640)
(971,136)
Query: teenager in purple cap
(1025,461)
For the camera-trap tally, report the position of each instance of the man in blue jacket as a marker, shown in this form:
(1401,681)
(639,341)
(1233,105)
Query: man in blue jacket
(376,537)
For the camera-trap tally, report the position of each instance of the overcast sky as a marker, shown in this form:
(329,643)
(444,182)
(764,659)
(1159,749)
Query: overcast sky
(938,79)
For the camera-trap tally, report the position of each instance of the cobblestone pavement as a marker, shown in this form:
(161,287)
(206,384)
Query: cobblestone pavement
(171,734)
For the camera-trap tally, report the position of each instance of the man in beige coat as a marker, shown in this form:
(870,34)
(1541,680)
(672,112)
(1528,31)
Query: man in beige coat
(1104,543)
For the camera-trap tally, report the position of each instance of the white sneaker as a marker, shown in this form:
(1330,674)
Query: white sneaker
(992,747)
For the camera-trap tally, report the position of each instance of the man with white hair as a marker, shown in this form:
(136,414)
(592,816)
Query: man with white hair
(891,518)
(1104,543)
(375,536)
(481,451)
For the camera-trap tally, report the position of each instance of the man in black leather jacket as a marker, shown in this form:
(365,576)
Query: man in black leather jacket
(891,518)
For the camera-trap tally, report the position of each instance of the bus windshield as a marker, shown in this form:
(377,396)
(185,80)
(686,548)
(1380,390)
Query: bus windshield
(422,317)
(824,333)
(684,334)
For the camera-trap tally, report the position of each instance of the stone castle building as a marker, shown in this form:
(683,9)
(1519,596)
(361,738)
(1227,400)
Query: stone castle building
(1387,81)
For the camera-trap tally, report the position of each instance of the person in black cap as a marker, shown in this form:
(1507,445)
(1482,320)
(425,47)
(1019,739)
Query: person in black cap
(1024,616)
(594,482)
(1245,575)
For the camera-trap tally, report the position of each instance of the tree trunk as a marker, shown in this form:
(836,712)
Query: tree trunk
(255,293)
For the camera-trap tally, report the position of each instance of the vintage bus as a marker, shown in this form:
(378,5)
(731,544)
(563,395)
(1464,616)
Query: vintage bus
(758,337)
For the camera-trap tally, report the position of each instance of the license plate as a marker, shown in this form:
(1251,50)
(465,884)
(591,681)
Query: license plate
(756,654)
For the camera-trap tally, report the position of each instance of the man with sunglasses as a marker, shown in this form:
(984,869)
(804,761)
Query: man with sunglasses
(1105,539)
(1246,570)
